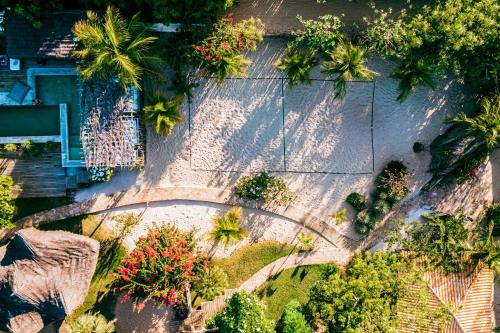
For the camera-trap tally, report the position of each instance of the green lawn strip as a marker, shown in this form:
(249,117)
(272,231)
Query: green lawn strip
(293,283)
(245,262)
(28,206)
(99,297)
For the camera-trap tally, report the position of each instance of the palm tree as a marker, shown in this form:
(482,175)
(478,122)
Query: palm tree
(347,63)
(412,74)
(91,323)
(297,64)
(164,114)
(227,228)
(213,284)
(112,48)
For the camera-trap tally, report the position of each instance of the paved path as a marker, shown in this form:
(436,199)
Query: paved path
(102,203)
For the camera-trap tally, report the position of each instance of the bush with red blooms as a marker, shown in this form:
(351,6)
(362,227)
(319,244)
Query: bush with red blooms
(219,53)
(160,268)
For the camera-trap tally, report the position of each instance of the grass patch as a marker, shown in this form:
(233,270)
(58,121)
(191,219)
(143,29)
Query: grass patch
(248,260)
(28,206)
(99,297)
(293,283)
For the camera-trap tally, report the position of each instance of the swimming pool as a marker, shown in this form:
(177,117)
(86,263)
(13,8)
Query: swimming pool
(29,121)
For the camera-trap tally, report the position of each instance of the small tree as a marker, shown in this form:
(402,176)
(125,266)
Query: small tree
(292,320)
(91,323)
(162,267)
(164,113)
(7,208)
(264,187)
(213,284)
(297,65)
(227,228)
(243,314)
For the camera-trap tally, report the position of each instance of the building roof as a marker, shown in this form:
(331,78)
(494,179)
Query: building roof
(53,40)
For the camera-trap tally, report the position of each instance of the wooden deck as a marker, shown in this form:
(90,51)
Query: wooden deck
(41,176)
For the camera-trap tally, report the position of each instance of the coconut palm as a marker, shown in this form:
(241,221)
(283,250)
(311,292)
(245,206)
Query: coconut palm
(297,64)
(347,62)
(227,228)
(412,74)
(164,113)
(91,323)
(112,48)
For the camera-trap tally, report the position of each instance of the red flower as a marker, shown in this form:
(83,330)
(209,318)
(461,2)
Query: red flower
(126,297)
(218,57)
(125,278)
(164,254)
(140,306)
(230,18)
(150,252)
(208,57)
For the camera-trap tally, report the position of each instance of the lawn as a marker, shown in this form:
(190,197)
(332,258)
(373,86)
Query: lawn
(248,260)
(293,283)
(99,297)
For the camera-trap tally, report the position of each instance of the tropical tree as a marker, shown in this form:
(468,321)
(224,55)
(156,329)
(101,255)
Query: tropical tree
(292,320)
(297,64)
(411,74)
(164,113)
(91,323)
(111,48)
(227,228)
(347,62)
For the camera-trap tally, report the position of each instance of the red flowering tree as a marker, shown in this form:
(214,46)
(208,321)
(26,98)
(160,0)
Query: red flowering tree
(220,53)
(161,268)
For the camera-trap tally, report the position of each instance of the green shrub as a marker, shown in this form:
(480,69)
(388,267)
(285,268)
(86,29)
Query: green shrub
(10,147)
(494,215)
(91,323)
(357,201)
(418,147)
(164,113)
(31,148)
(227,228)
(381,207)
(394,181)
(297,65)
(213,284)
(339,216)
(306,241)
(292,320)
(243,314)
(322,34)
(7,208)
(363,223)
(264,187)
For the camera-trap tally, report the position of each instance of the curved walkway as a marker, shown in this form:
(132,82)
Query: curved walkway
(102,203)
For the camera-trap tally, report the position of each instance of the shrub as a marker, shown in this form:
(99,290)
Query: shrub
(243,314)
(418,147)
(322,34)
(357,201)
(394,181)
(493,214)
(164,113)
(161,267)
(10,147)
(7,208)
(213,284)
(292,320)
(381,207)
(339,216)
(363,223)
(91,323)
(100,174)
(227,228)
(264,187)
(306,240)
(297,65)
(31,148)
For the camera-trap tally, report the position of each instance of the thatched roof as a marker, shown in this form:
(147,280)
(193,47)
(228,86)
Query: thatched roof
(44,276)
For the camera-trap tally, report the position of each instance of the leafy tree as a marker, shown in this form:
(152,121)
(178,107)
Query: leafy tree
(164,113)
(297,65)
(162,267)
(91,323)
(31,10)
(292,320)
(213,284)
(347,62)
(187,11)
(7,208)
(113,48)
(228,229)
(244,314)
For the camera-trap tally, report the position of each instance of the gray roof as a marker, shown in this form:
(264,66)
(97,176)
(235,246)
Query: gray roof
(53,40)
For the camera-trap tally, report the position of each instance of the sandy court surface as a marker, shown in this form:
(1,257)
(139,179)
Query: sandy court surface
(152,319)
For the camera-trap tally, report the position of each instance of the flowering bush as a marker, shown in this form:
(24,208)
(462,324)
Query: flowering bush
(218,54)
(100,174)
(264,187)
(162,266)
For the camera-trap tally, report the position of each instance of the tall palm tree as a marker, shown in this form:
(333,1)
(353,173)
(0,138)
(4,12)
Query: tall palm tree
(412,74)
(227,228)
(112,48)
(347,62)
(164,114)
(297,65)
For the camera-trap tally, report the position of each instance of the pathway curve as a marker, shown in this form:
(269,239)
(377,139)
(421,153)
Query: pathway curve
(103,202)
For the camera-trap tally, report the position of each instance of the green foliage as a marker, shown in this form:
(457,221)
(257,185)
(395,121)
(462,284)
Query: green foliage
(440,240)
(164,113)
(245,314)
(10,147)
(187,11)
(306,240)
(412,74)
(364,222)
(219,53)
(347,62)
(322,34)
(486,248)
(91,323)
(357,201)
(31,10)
(161,267)
(227,228)
(493,215)
(293,321)
(418,147)
(264,187)
(31,148)
(463,146)
(125,222)
(7,208)
(297,65)
(393,182)
(113,48)
(213,283)
(339,216)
